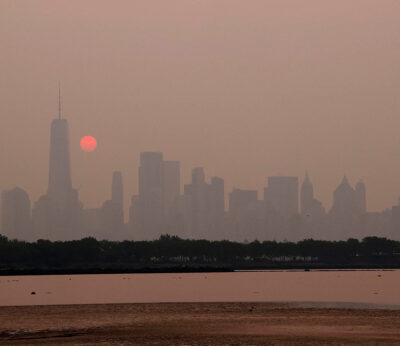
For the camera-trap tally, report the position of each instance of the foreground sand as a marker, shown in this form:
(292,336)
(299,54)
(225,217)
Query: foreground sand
(197,324)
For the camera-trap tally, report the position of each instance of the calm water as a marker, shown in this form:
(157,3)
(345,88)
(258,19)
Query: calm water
(371,287)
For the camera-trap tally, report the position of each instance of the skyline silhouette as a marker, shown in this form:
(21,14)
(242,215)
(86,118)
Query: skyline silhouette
(199,213)
(270,89)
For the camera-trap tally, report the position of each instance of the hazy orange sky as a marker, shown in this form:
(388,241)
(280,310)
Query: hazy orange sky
(246,89)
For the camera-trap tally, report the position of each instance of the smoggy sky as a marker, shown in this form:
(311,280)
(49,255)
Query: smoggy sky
(246,89)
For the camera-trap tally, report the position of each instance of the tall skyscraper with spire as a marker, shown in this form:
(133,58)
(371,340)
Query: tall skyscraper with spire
(60,185)
(57,215)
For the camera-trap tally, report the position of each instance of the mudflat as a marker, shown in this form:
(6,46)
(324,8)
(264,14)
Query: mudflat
(197,324)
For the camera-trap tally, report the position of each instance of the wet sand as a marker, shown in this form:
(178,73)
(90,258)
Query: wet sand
(197,324)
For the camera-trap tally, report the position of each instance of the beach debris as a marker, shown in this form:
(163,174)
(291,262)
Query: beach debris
(33,293)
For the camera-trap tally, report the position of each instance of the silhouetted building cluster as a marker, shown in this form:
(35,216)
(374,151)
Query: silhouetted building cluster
(198,213)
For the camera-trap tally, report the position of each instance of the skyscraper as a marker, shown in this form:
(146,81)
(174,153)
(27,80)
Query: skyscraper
(58,214)
(246,215)
(205,206)
(348,201)
(197,203)
(306,196)
(151,183)
(347,215)
(240,200)
(117,189)
(216,208)
(310,207)
(149,213)
(60,185)
(154,209)
(16,214)
(217,197)
(282,196)
(172,184)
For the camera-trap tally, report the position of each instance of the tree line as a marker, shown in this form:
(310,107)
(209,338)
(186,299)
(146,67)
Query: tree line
(172,251)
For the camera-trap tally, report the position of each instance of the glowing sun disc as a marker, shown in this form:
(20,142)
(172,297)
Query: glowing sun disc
(88,144)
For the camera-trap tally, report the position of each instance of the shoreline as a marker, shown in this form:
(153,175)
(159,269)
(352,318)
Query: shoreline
(185,269)
(290,304)
(198,323)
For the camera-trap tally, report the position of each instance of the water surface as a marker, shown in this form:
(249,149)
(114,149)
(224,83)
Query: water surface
(346,287)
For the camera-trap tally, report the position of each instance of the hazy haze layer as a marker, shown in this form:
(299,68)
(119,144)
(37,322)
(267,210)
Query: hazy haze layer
(246,89)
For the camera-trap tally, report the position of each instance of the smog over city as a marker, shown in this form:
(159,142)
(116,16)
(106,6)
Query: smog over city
(246,92)
(201,135)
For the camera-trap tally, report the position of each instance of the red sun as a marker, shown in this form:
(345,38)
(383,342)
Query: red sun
(88,144)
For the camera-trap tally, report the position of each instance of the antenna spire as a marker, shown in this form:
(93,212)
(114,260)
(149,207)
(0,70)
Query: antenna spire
(59,100)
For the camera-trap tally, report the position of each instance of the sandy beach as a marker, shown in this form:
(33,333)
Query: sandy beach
(197,324)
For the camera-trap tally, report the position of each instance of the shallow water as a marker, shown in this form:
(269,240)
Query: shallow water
(350,288)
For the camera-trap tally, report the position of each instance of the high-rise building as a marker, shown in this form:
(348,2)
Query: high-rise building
(306,196)
(240,200)
(217,197)
(347,200)
(282,196)
(150,202)
(112,211)
(360,192)
(60,185)
(216,208)
(117,205)
(196,196)
(310,207)
(172,184)
(16,214)
(246,215)
(58,214)
(117,189)
(159,188)
(205,206)
(347,215)
(151,186)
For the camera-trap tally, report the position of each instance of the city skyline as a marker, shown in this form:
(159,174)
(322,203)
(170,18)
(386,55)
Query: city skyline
(271,89)
(286,211)
(182,183)
(254,185)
